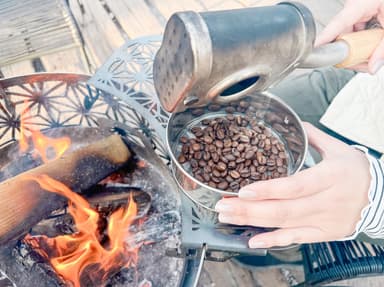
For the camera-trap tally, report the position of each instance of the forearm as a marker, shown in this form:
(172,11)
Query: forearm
(372,216)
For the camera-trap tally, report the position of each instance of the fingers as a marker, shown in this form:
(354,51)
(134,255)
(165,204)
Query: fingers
(322,142)
(266,213)
(287,236)
(302,184)
(342,23)
(376,61)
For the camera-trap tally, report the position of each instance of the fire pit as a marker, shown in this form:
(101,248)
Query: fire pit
(141,191)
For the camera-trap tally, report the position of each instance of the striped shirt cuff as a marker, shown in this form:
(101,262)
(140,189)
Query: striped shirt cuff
(372,216)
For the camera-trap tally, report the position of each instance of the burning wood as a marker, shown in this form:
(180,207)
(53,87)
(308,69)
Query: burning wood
(81,257)
(23,202)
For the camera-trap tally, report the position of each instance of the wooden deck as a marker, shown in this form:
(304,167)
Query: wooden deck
(105,25)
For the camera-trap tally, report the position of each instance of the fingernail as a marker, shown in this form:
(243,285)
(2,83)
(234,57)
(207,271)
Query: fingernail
(257,244)
(247,193)
(377,66)
(223,207)
(224,218)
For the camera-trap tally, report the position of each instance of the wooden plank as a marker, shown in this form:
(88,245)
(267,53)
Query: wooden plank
(65,61)
(226,274)
(100,34)
(18,69)
(135,17)
(167,8)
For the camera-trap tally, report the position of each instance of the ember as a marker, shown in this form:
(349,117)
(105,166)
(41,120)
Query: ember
(74,255)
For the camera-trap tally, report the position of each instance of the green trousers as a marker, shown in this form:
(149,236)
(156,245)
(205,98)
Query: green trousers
(310,95)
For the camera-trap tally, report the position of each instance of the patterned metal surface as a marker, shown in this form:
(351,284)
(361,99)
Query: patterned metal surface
(53,100)
(128,75)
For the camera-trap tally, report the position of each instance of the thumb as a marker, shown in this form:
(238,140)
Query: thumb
(322,142)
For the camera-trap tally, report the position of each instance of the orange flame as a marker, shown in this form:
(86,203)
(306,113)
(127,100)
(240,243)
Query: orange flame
(83,250)
(46,147)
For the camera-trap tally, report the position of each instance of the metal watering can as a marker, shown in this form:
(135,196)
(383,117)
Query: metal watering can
(222,56)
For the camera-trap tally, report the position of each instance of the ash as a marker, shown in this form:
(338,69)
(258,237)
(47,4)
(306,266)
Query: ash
(160,231)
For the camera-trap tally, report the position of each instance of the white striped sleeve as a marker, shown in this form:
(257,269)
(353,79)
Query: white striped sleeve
(372,216)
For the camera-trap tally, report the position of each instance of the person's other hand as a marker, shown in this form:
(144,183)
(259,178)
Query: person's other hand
(354,17)
(321,203)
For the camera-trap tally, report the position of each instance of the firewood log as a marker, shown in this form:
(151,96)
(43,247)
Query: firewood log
(23,203)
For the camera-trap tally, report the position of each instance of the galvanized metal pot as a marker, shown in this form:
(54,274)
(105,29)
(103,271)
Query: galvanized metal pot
(270,110)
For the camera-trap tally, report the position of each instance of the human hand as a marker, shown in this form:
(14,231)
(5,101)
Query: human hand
(354,17)
(321,203)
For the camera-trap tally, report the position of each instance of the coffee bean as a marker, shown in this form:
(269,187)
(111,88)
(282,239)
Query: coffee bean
(199,178)
(231,151)
(214,107)
(202,163)
(244,139)
(230,110)
(232,165)
(234,174)
(207,139)
(196,147)
(249,154)
(223,185)
(206,177)
(221,166)
(240,147)
(197,112)
(181,159)
(220,134)
(216,173)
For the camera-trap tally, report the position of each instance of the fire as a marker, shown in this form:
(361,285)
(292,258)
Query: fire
(46,147)
(83,251)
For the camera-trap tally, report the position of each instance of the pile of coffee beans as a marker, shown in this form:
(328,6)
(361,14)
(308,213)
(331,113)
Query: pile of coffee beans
(231,151)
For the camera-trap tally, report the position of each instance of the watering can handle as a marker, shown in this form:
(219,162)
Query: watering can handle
(348,50)
(361,46)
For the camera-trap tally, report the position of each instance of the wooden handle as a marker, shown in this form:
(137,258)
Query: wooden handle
(361,46)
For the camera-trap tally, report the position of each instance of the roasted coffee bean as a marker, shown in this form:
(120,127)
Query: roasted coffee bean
(181,159)
(216,173)
(230,157)
(234,150)
(244,139)
(223,185)
(234,174)
(214,107)
(220,134)
(221,166)
(197,112)
(282,155)
(202,163)
(207,139)
(183,139)
(249,154)
(196,147)
(206,177)
(199,177)
(234,185)
(212,184)
(240,147)
(197,155)
(232,164)
(279,162)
